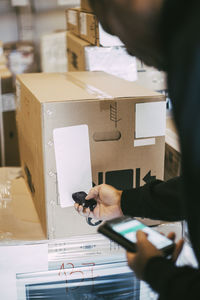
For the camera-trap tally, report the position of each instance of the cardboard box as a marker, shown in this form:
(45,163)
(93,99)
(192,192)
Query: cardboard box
(11,146)
(85,5)
(76,53)
(18,217)
(72,18)
(9,150)
(127,147)
(6,84)
(53,47)
(113,60)
(172,151)
(92,31)
(3,60)
(89,28)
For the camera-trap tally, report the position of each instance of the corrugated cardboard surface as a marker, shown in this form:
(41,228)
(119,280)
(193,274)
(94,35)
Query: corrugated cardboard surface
(85,5)
(89,28)
(6,81)
(29,125)
(76,53)
(72,18)
(107,105)
(20,218)
(10,139)
(172,151)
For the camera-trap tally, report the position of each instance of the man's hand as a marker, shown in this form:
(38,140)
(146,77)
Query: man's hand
(108,203)
(145,251)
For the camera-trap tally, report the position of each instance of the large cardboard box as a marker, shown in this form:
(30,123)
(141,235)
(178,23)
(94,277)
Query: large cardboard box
(113,60)
(72,18)
(85,5)
(126,131)
(172,150)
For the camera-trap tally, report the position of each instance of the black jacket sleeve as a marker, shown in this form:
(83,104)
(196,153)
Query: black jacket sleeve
(157,200)
(172,282)
(183,50)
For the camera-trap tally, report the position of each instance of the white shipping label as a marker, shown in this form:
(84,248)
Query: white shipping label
(72,17)
(144,142)
(150,119)
(83,24)
(73,163)
(8,103)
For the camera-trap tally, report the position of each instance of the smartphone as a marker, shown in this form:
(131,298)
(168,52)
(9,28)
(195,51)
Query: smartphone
(123,231)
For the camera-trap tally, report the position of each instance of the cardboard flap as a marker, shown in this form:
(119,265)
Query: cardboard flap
(77,86)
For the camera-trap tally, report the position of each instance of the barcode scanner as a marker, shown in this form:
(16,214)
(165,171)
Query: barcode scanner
(79,198)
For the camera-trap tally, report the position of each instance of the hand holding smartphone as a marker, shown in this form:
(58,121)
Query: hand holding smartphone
(123,231)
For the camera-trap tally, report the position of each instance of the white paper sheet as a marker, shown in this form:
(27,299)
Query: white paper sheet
(19,259)
(72,152)
(150,119)
(108,40)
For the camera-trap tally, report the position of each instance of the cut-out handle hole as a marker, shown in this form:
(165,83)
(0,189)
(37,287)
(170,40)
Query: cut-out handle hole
(114,135)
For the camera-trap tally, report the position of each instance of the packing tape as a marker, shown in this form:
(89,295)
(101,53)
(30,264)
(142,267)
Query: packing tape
(97,93)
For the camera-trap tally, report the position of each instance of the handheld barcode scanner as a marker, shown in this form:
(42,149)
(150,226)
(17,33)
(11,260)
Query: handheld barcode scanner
(79,198)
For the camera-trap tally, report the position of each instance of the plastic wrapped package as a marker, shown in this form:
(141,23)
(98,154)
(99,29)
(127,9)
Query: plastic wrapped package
(77,268)
(151,78)
(21,57)
(113,60)
(80,268)
(18,217)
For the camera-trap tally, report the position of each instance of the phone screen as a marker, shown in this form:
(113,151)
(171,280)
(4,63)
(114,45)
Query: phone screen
(129,228)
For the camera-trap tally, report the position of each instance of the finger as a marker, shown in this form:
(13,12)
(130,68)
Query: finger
(141,236)
(87,212)
(93,193)
(172,236)
(178,249)
(130,257)
(76,206)
(81,210)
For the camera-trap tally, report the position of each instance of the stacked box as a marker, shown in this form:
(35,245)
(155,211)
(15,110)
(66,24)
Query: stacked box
(172,150)
(72,20)
(85,5)
(88,43)
(126,144)
(53,49)
(9,151)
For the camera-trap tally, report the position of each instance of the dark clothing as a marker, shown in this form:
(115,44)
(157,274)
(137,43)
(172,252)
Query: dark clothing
(158,200)
(179,198)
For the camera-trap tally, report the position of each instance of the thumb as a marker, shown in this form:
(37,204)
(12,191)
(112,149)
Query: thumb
(141,238)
